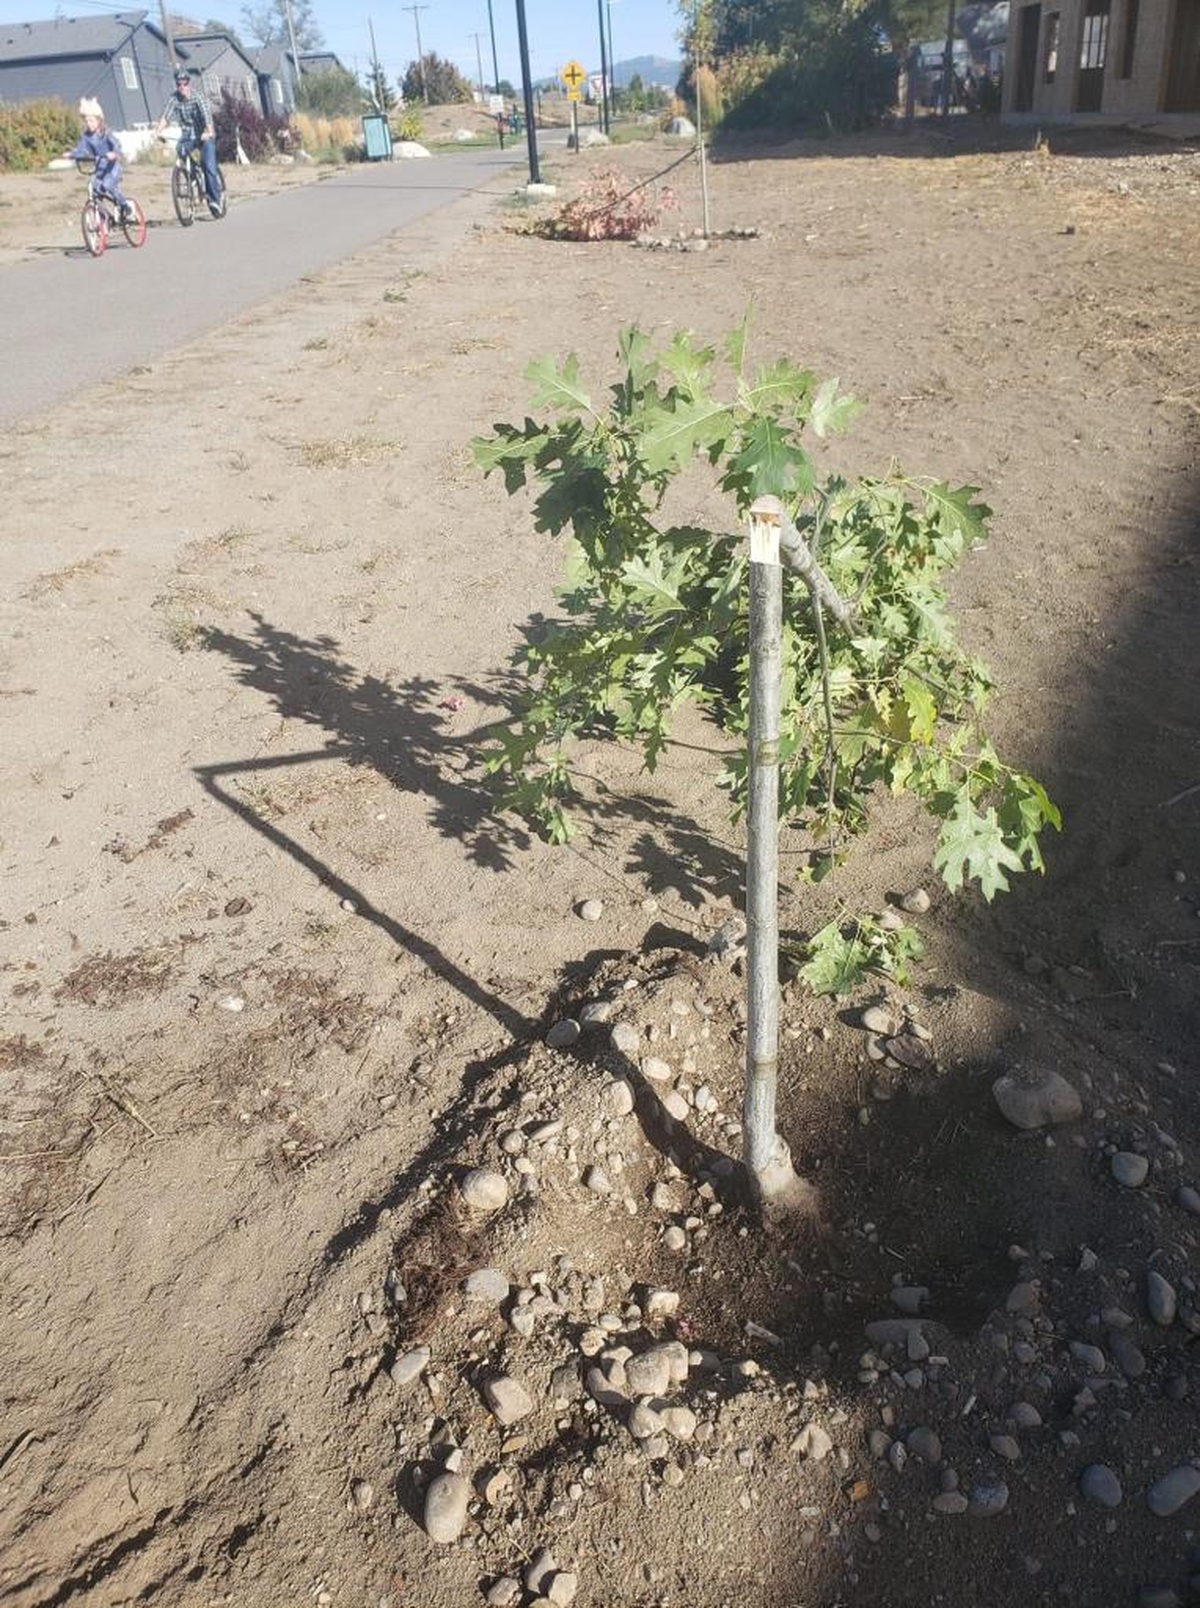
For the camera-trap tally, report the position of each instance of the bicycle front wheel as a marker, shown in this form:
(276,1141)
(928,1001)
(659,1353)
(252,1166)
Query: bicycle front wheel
(181,195)
(94,222)
(134,224)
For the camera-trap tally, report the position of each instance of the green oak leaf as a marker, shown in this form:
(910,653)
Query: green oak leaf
(971,844)
(831,413)
(556,387)
(769,463)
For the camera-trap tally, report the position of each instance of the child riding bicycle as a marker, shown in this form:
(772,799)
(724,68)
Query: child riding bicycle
(96,144)
(192,112)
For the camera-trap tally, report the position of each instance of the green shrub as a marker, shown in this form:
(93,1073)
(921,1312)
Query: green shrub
(410,126)
(32,133)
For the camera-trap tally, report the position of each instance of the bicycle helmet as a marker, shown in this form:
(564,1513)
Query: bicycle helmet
(182,76)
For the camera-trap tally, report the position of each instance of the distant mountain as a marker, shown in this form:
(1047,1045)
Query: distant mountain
(651,70)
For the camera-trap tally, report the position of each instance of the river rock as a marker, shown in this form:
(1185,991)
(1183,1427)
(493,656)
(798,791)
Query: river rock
(649,1374)
(625,1039)
(950,1502)
(487,1285)
(989,1498)
(596,1013)
(1129,1169)
(503,1593)
(915,903)
(1161,1301)
(1173,1491)
(643,1421)
(1046,1101)
(564,1033)
(909,1298)
(878,1019)
(507,1399)
(409,1366)
(446,1508)
(1099,1484)
(598,1181)
(678,1421)
(484,1190)
(539,1569)
(591,909)
(814,1443)
(656,1070)
(1188,1199)
(924,1443)
(619,1096)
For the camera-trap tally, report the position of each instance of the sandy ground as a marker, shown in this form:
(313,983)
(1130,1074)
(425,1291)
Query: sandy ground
(272,967)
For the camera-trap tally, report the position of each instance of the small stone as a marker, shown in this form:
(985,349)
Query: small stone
(1024,1415)
(563,1588)
(672,1476)
(661,1303)
(410,1366)
(675,1239)
(1044,1102)
(814,1443)
(619,1097)
(625,1039)
(909,1298)
(1129,1169)
(950,1502)
(507,1399)
(644,1421)
(1161,1301)
(1099,1484)
(924,1443)
(1006,1447)
(539,1570)
(676,1105)
(484,1190)
(1188,1199)
(1023,1298)
(362,1494)
(564,1033)
(598,1181)
(487,1285)
(1173,1491)
(1129,1359)
(915,903)
(595,1013)
(678,1421)
(989,1499)
(446,1508)
(878,1020)
(649,1374)
(591,910)
(878,1442)
(1091,1357)
(503,1593)
(656,1070)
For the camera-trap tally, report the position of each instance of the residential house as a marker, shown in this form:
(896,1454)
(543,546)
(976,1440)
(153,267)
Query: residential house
(1094,60)
(279,78)
(122,59)
(219,66)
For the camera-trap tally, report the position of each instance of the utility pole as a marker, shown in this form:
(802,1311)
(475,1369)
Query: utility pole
(535,172)
(495,58)
(291,28)
(700,118)
(416,12)
(479,63)
(376,70)
(612,60)
(166,22)
(603,68)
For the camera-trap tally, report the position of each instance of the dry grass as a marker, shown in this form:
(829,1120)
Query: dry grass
(345,452)
(58,580)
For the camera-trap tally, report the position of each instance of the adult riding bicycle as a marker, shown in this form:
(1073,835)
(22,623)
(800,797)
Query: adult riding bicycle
(188,189)
(102,213)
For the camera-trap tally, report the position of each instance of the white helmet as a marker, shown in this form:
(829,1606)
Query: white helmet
(91,108)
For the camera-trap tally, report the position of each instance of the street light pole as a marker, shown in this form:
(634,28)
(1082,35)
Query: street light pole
(603,67)
(535,174)
(479,63)
(612,59)
(495,58)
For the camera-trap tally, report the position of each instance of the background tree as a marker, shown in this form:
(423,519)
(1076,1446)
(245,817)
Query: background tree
(267,24)
(443,81)
(333,92)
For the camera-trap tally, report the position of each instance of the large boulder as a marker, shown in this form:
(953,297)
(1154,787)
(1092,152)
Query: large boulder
(409,151)
(683,127)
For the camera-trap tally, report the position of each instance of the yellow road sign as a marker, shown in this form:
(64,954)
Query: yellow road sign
(574,77)
(574,94)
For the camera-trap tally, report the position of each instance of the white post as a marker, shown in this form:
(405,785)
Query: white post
(700,121)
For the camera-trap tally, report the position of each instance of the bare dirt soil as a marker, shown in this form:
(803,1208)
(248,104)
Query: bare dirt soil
(274,975)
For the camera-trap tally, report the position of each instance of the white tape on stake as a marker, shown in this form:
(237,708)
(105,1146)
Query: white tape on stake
(764,540)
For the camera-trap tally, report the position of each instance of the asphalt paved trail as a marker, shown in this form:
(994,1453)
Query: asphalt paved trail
(68,321)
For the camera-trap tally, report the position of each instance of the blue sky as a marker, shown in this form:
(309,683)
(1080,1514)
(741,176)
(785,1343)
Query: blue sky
(558,29)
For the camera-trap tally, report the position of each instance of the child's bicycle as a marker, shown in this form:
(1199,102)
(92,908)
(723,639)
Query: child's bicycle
(189,191)
(101,214)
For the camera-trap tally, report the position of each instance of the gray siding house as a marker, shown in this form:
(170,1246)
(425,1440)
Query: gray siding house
(122,59)
(218,66)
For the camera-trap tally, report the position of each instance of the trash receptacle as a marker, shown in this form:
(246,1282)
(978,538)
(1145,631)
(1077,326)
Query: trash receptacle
(377,134)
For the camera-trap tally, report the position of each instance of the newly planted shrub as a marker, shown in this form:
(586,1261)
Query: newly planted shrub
(606,209)
(655,614)
(34,132)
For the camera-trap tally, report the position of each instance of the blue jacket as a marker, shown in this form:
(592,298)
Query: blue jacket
(100,146)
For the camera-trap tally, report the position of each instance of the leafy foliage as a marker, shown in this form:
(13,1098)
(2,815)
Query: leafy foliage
(267,23)
(841,956)
(235,119)
(606,209)
(34,132)
(443,82)
(655,614)
(332,92)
